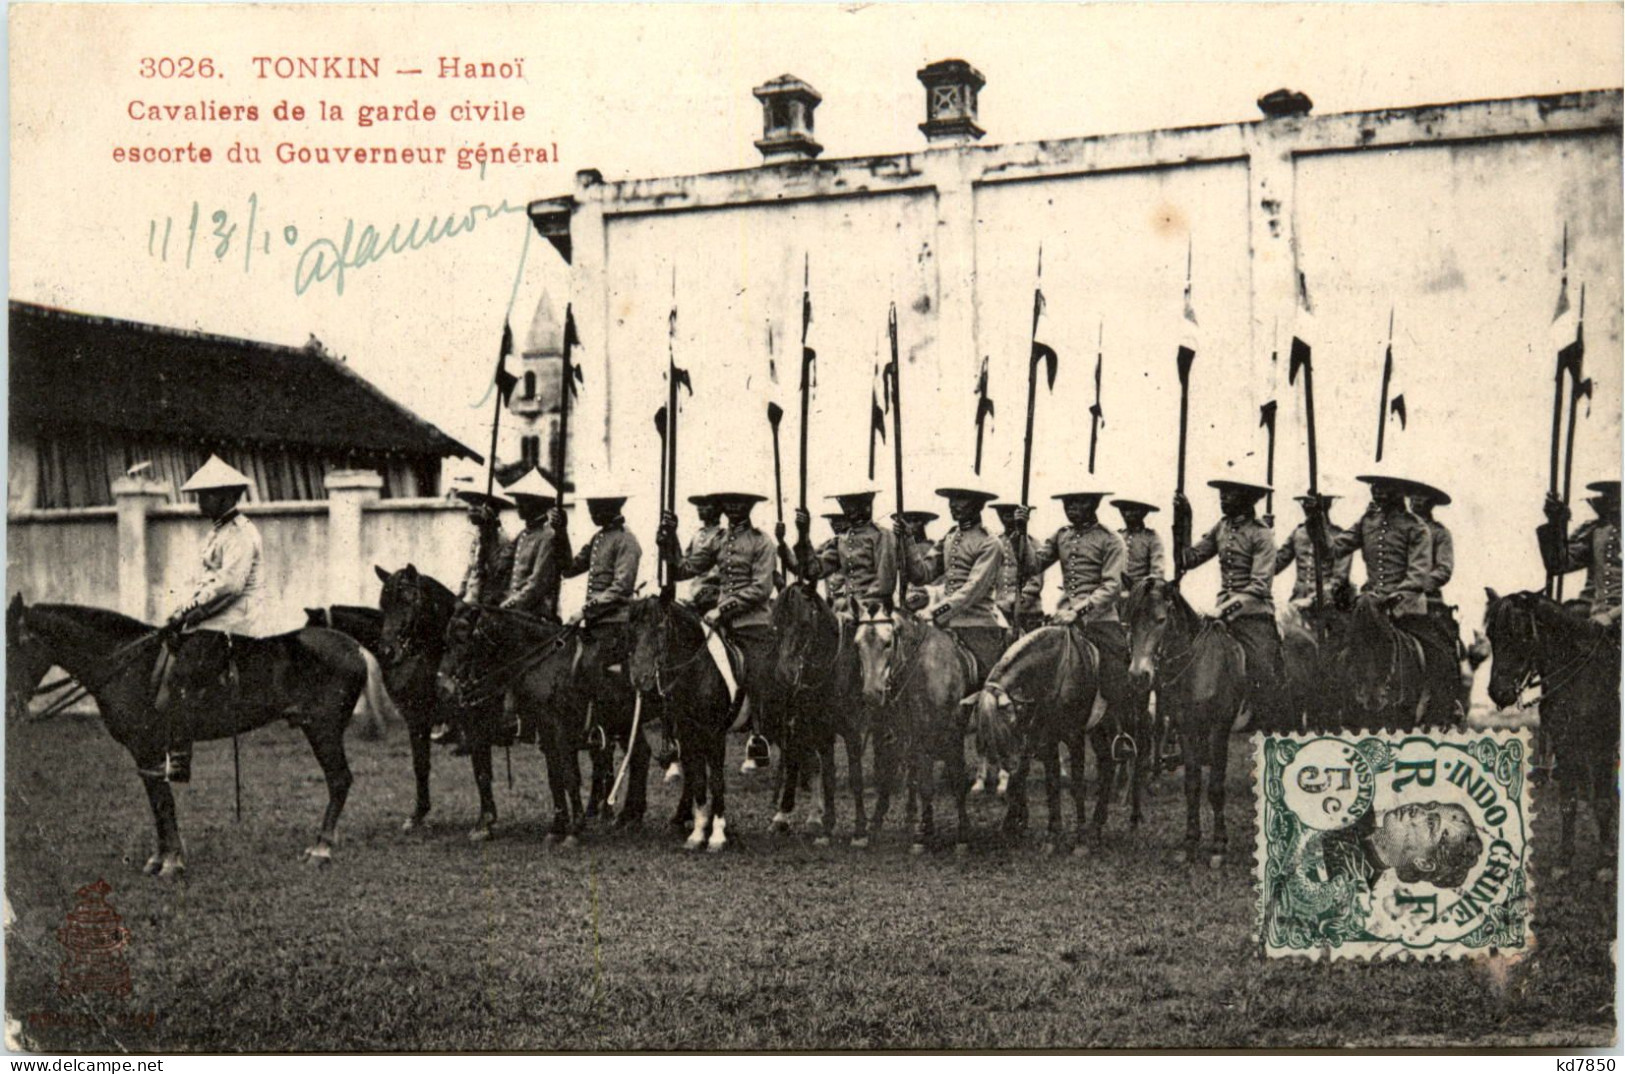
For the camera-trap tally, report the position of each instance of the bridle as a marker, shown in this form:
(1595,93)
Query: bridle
(477,687)
(1532,674)
(802,658)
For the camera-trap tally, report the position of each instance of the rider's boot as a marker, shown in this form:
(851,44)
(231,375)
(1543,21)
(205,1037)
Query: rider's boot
(178,763)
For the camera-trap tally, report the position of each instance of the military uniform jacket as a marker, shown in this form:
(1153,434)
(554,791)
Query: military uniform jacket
(1444,564)
(1031,590)
(1397,549)
(744,561)
(230,584)
(1246,551)
(490,563)
(834,582)
(967,562)
(1300,549)
(533,585)
(705,586)
(866,559)
(1144,556)
(1092,558)
(1594,547)
(610,562)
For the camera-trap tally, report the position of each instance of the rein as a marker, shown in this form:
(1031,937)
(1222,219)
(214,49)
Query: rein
(1566,674)
(120,658)
(479,688)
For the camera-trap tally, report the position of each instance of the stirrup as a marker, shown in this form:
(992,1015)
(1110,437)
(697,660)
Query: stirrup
(177,768)
(596,739)
(757,750)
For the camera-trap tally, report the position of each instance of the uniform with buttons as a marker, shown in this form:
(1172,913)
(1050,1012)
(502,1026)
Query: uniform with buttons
(534,578)
(865,560)
(610,562)
(1092,560)
(1595,549)
(1397,549)
(1032,605)
(1143,556)
(1299,551)
(703,597)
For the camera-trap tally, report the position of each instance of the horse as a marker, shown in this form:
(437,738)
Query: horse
(494,651)
(313,676)
(1044,692)
(917,674)
(413,613)
(1199,672)
(27,663)
(816,669)
(1535,640)
(1381,668)
(671,664)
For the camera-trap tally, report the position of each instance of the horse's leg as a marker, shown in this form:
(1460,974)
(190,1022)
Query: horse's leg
(327,742)
(168,861)
(1605,809)
(479,757)
(886,771)
(1191,749)
(556,752)
(953,771)
(789,777)
(1218,765)
(826,786)
(718,750)
(921,783)
(1052,791)
(1075,745)
(418,732)
(853,741)
(1100,740)
(1015,798)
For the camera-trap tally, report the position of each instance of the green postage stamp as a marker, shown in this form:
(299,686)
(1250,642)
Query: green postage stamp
(1394,845)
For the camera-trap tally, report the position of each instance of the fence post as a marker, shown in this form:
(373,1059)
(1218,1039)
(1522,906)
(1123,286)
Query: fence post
(134,497)
(348,491)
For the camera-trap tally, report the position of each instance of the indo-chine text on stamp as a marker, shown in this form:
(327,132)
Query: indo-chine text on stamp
(1394,845)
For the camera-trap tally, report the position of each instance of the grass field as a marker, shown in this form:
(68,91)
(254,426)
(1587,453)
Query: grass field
(428,942)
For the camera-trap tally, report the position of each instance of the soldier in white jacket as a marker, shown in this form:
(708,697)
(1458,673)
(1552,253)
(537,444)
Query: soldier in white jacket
(228,592)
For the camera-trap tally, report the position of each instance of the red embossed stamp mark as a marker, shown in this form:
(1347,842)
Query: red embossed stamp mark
(94,938)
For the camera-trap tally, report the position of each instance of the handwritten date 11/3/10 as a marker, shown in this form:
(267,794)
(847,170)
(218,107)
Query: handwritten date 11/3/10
(219,234)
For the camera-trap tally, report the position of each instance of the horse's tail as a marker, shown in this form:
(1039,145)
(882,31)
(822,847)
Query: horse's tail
(989,723)
(376,706)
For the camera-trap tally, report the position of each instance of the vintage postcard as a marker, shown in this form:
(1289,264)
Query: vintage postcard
(1387,845)
(771,527)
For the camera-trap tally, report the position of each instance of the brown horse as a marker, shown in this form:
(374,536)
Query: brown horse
(414,612)
(491,652)
(1200,676)
(673,672)
(312,676)
(1044,692)
(917,675)
(1535,641)
(816,668)
(1381,668)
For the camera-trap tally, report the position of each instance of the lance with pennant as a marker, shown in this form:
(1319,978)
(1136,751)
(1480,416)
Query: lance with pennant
(1570,359)
(1579,389)
(1266,421)
(1387,379)
(808,357)
(675,376)
(775,414)
(570,376)
(1041,352)
(1302,361)
(1097,416)
(984,411)
(895,373)
(877,416)
(1184,358)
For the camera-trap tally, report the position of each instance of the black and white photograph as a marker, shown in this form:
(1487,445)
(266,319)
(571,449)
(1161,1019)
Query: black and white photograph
(756,528)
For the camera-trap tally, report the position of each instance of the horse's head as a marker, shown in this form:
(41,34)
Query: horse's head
(875,639)
(1512,631)
(1147,610)
(27,660)
(408,609)
(797,615)
(649,626)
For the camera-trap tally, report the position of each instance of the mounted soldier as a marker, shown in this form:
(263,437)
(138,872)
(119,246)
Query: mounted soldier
(1027,613)
(1245,548)
(540,551)
(610,562)
(1299,551)
(966,560)
(834,584)
(918,596)
(227,596)
(1397,548)
(703,596)
(863,557)
(1092,560)
(744,562)
(1424,499)
(486,578)
(1142,545)
(1594,548)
